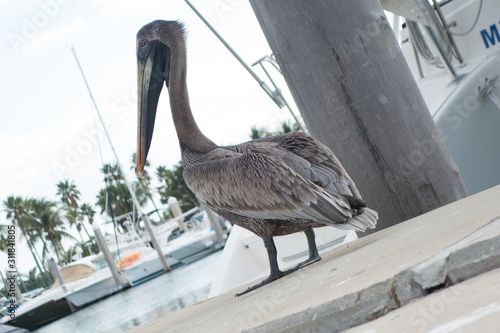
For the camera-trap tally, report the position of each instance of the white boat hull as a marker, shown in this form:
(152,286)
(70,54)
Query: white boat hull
(96,287)
(245,258)
(147,269)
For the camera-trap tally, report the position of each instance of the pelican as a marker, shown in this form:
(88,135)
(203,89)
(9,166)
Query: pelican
(271,186)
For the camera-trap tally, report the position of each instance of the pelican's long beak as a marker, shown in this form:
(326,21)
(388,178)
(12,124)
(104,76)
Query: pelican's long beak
(152,70)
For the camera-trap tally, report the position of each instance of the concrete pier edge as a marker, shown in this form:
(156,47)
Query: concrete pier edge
(360,307)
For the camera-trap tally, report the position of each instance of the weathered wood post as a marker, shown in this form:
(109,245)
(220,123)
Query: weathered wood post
(214,221)
(56,273)
(120,279)
(176,211)
(356,94)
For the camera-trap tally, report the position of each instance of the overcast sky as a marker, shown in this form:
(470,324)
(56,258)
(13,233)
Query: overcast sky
(47,131)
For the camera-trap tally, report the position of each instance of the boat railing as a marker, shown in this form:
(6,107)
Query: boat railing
(438,30)
(420,13)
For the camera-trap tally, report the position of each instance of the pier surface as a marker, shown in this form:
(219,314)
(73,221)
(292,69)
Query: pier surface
(438,272)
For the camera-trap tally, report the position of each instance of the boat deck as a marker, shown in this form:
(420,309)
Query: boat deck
(437,272)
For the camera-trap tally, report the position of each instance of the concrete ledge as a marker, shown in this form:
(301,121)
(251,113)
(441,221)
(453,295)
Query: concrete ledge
(470,306)
(381,298)
(363,280)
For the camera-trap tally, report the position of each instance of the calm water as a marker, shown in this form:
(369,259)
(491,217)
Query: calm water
(182,287)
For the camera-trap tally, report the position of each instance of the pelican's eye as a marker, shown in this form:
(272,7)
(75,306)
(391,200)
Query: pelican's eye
(142,43)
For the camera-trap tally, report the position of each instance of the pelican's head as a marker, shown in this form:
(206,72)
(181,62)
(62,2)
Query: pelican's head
(156,44)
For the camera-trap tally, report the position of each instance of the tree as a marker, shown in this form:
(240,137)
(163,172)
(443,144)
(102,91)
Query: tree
(87,211)
(49,221)
(69,197)
(72,218)
(143,185)
(286,127)
(117,196)
(16,211)
(69,193)
(33,280)
(116,193)
(356,94)
(3,242)
(175,186)
(257,133)
(82,249)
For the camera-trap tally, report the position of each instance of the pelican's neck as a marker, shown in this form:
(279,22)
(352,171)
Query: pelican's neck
(188,132)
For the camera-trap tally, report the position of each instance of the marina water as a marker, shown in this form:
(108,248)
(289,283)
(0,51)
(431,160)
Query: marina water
(167,293)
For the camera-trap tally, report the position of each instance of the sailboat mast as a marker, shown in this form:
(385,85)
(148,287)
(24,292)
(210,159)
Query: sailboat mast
(134,198)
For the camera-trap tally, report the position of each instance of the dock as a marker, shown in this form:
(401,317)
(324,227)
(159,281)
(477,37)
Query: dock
(438,272)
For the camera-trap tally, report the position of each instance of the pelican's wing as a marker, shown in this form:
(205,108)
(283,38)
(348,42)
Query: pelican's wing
(324,169)
(258,182)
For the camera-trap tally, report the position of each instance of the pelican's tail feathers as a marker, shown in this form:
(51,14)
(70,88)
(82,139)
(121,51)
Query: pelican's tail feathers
(366,218)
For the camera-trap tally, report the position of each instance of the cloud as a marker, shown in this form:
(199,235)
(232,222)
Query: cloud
(23,154)
(120,8)
(47,37)
(27,174)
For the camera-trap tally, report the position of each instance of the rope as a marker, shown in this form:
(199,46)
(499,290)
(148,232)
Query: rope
(421,45)
(418,40)
(473,25)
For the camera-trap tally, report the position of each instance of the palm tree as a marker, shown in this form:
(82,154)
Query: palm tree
(4,243)
(69,196)
(142,187)
(161,171)
(72,218)
(4,247)
(257,133)
(287,128)
(175,186)
(50,222)
(67,256)
(16,210)
(53,227)
(33,280)
(36,233)
(69,193)
(113,172)
(116,194)
(86,210)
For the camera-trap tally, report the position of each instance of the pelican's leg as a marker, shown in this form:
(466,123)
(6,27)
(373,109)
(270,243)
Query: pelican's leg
(313,251)
(276,273)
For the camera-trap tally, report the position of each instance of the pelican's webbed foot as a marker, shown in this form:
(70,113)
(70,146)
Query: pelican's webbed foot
(273,264)
(270,278)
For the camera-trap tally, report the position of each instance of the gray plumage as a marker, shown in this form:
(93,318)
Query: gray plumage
(271,186)
(277,185)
